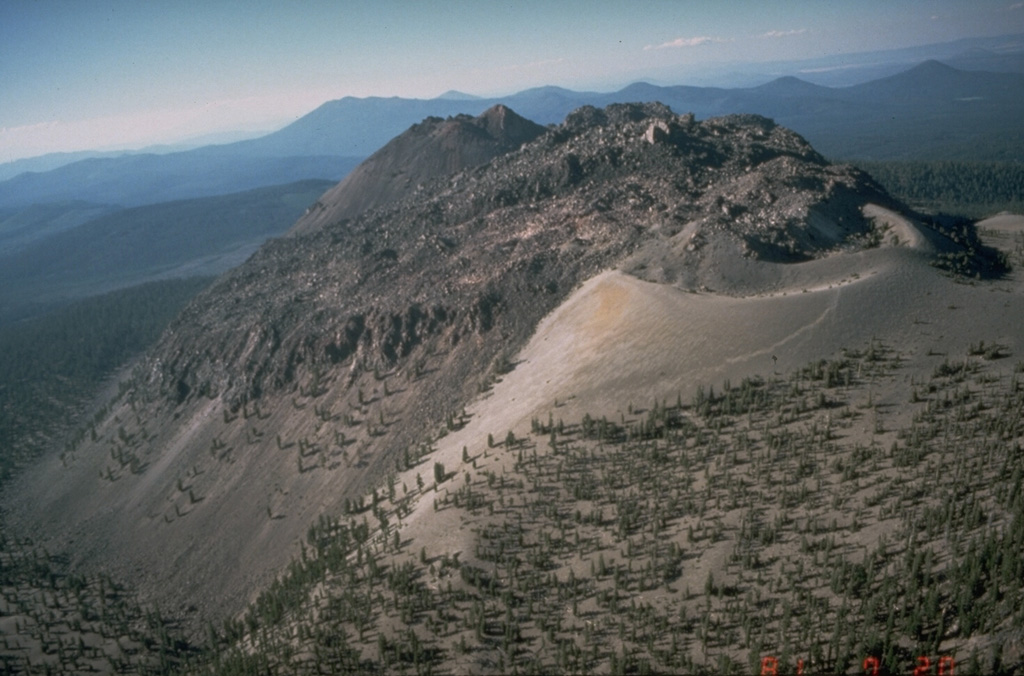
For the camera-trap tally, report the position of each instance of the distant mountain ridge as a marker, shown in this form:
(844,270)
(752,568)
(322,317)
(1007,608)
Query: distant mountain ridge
(931,111)
(104,249)
(825,115)
(136,180)
(940,83)
(23,227)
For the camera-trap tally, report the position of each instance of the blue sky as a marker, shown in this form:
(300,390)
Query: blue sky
(78,74)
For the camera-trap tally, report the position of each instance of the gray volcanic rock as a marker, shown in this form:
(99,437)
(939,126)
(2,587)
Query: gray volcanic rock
(468,266)
(354,342)
(763,195)
(478,259)
(434,148)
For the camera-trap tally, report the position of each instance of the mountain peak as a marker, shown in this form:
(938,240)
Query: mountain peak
(789,85)
(546,90)
(932,66)
(932,82)
(456,95)
(635,91)
(743,187)
(929,73)
(431,149)
(505,125)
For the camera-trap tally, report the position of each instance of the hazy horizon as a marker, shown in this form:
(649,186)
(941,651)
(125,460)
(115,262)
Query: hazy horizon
(120,75)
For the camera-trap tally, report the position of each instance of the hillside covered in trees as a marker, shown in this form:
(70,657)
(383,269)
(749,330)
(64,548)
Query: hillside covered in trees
(52,365)
(972,189)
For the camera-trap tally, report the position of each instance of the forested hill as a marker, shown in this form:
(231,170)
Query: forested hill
(51,364)
(185,238)
(973,189)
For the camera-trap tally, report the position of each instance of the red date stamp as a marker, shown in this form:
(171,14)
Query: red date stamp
(871,666)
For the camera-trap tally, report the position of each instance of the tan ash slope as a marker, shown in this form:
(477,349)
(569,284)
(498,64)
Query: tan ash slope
(619,340)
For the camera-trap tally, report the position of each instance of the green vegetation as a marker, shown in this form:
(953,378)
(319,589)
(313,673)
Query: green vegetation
(58,623)
(795,518)
(972,189)
(51,364)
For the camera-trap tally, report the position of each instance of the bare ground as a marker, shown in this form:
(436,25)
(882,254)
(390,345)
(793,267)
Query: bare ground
(616,342)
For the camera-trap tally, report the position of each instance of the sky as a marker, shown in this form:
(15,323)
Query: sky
(105,74)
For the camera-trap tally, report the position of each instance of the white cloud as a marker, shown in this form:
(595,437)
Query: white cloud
(687,42)
(784,34)
(1016,5)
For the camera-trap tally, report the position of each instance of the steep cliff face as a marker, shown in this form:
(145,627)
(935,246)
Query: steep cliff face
(427,151)
(330,357)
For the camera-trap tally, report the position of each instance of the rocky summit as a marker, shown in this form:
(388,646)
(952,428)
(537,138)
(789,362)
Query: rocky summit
(470,263)
(303,377)
(430,150)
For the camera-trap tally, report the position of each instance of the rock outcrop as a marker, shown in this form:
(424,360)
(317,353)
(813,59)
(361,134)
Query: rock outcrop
(475,260)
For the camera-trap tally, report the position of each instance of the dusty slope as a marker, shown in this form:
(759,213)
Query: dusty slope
(311,372)
(619,339)
(1005,231)
(1003,222)
(728,536)
(616,339)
